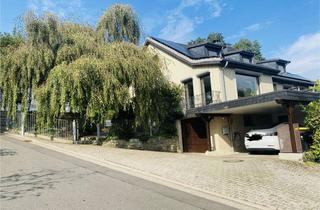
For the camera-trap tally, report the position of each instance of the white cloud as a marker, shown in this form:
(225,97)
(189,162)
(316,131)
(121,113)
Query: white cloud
(179,27)
(254,27)
(251,28)
(71,9)
(216,7)
(304,54)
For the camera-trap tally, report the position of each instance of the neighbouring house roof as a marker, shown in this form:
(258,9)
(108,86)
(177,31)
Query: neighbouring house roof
(198,55)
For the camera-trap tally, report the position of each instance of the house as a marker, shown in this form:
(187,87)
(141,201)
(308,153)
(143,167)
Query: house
(227,93)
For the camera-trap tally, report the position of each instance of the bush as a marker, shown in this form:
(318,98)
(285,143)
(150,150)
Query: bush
(315,148)
(312,120)
(308,156)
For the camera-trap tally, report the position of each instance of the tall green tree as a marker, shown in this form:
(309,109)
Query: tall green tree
(312,120)
(251,46)
(119,23)
(60,62)
(213,37)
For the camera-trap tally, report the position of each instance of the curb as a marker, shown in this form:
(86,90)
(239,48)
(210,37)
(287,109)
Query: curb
(240,204)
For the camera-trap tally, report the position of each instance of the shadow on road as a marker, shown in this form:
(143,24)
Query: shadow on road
(33,183)
(7,152)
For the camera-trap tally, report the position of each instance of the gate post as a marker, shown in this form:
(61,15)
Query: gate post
(22,123)
(75,131)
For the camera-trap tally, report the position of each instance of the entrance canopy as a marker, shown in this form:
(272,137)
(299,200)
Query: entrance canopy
(266,103)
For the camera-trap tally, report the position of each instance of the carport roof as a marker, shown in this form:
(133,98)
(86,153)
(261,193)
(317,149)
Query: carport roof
(256,103)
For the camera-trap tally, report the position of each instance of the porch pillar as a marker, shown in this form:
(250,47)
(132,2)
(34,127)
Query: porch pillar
(290,110)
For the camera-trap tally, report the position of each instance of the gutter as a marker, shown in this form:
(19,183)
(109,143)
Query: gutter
(292,81)
(224,81)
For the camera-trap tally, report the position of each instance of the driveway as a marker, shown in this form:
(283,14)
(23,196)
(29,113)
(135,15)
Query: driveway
(259,180)
(33,177)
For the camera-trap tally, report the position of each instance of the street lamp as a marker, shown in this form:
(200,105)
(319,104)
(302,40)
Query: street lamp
(67,107)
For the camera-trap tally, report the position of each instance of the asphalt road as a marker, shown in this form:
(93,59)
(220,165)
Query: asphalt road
(33,177)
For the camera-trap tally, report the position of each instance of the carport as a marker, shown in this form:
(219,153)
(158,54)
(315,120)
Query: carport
(227,122)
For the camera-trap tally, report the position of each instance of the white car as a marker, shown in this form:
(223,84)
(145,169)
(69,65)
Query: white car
(262,140)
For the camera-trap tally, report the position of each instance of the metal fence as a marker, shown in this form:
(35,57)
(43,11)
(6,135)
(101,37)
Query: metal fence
(62,128)
(3,121)
(202,99)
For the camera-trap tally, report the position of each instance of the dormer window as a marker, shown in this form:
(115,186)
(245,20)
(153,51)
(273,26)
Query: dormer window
(246,59)
(278,64)
(240,55)
(205,50)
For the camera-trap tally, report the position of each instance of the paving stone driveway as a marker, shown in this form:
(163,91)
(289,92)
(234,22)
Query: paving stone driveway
(258,179)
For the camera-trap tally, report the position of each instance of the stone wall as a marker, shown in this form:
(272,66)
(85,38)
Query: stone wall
(153,144)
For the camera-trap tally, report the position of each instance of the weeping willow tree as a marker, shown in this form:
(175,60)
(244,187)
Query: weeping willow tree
(119,23)
(59,62)
(27,65)
(119,77)
(46,42)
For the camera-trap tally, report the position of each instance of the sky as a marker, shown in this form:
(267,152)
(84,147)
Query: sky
(287,29)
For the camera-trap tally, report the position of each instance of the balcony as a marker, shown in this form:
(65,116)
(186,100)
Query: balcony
(202,100)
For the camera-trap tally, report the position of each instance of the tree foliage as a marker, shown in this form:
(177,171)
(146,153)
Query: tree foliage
(213,37)
(119,23)
(60,62)
(251,46)
(312,120)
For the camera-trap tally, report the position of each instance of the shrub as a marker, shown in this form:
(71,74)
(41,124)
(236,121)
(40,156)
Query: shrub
(312,120)
(308,156)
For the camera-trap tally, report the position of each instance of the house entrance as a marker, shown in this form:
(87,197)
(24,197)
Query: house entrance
(194,134)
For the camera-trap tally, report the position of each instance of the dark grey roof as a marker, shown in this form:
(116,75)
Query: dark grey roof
(291,79)
(233,51)
(206,43)
(274,60)
(194,53)
(181,48)
(290,75)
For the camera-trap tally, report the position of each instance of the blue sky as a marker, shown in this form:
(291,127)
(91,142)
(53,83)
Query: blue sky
(289,29)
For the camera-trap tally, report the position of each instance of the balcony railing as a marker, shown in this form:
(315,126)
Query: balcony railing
(202,99)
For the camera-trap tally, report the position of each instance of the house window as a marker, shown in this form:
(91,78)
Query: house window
(206,90)
(287,87)
(188,88)
(247,85)
(246,59)
(275,87)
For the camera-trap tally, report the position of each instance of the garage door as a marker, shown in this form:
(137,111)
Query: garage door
(194,135)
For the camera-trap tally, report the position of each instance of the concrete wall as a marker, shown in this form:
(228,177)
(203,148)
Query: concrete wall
(222,142)
(230,84)
(176,71)
(266,84)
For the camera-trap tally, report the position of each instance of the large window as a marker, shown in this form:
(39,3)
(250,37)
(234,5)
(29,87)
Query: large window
(206,90)
(247,85)
(188,88)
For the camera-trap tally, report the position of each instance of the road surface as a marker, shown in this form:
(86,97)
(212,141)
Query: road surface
(33,177)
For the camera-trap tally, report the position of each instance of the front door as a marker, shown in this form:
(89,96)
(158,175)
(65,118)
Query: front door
(194,132)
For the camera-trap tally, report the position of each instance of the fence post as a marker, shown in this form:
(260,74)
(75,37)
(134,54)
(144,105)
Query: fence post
(98,130)
(74,131)
(22,123)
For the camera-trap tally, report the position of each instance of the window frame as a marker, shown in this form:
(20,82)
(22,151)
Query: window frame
(190,103)
(203,91)
(257,79)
